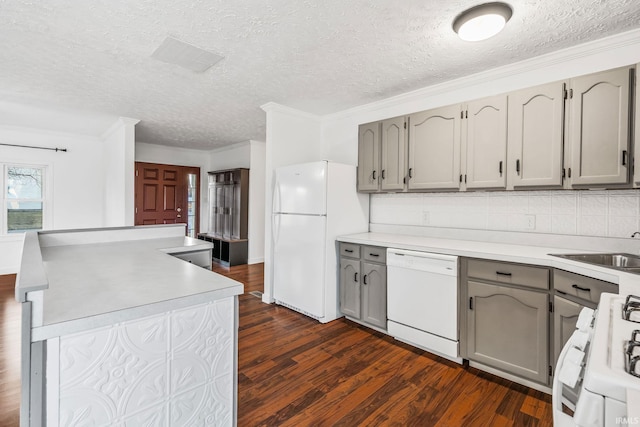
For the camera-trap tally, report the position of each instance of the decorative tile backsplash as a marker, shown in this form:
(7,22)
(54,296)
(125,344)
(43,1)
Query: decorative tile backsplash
(609,213)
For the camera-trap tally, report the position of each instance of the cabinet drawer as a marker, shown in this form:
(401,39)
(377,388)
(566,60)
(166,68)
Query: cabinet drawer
(200,258)
(504,272)
(375,254)
(581,286)
(350,250)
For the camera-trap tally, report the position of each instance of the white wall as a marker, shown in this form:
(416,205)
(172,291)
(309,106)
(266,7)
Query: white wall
(257,202)
(152,153)
(119,191)
(292,137)
(251,155)
(77,180)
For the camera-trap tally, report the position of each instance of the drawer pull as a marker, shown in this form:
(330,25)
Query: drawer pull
(355,277)
(376,255)
(574,286)
(502,273)
(349,250)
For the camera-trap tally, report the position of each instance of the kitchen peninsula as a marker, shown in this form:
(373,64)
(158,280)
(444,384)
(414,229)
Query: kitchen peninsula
(124,326)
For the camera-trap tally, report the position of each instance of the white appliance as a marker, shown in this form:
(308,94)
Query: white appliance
(594,360)
(422,301)
(313,203)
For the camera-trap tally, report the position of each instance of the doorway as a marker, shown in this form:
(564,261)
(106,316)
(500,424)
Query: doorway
(167,194)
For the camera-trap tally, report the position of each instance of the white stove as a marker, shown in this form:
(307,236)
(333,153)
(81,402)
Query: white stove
(608,393)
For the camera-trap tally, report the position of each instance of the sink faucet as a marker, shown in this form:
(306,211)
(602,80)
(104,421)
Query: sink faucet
(637,233)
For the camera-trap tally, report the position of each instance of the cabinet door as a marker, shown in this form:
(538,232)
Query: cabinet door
(228,211)
(486,143)
(434,149)
(374,294)
(212,208)
(369,157)
(507,328)
(599,129)
(350,287)
(394,154)
(565,316)
(535,129)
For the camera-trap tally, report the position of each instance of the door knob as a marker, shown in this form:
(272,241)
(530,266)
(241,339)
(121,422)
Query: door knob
(178,216)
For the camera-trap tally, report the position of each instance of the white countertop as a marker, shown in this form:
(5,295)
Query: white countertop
(100,283)
(525,254)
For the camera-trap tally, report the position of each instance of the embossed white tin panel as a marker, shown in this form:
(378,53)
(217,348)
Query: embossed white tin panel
(165,370)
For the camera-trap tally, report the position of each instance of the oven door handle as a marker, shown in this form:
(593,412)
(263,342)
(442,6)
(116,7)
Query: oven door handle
(559,417)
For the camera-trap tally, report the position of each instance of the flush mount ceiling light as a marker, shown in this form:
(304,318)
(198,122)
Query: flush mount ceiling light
(482,21)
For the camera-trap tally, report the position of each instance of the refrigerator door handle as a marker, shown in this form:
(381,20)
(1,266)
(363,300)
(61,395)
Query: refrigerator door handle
(276,198)
(275,227)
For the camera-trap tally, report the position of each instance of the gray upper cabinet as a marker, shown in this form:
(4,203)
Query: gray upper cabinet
(507,328)
(394,154)
(600,129)
(369,157)
(485,143)
(434,149)
(535,134)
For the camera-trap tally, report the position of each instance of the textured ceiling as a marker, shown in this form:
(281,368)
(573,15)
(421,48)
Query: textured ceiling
(316,56)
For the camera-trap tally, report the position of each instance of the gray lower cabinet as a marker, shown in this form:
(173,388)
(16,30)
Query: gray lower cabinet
(350,287)
(507,317)
(363,284)
(565,316)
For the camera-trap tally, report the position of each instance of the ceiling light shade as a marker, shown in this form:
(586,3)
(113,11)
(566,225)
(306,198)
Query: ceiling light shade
(482,21)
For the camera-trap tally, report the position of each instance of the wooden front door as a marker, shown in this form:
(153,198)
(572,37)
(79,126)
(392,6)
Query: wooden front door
(167,194)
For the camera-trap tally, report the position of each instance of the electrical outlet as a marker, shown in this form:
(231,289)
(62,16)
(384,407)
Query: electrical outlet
(530,222)
(425,217)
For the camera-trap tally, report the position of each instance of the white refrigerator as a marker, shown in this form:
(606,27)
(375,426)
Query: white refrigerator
(313,203)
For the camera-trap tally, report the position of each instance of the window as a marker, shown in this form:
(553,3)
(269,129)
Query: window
(24,198)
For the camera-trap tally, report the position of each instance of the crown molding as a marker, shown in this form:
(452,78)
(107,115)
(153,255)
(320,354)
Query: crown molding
(49,133)
(273,107)
(120,123)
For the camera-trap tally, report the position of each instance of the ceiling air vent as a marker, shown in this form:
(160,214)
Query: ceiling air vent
(185,55)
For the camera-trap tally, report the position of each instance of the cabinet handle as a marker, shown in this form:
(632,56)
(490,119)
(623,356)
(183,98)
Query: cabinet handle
(500,167)
(518,166)
(382,173)
(502,273)
(364,279)
(569,173)
(374,174)
(410,173)
(375,255)
(355,277)
(349,250)
(574,286)
(470,303)
(624,157)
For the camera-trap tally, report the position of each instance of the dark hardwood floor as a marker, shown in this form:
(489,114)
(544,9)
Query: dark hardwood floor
(294,371)
(9,353)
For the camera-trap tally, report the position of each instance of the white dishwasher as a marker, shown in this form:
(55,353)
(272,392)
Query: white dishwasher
(422,301)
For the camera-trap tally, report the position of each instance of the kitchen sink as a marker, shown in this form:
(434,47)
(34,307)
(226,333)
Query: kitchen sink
(619,261)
